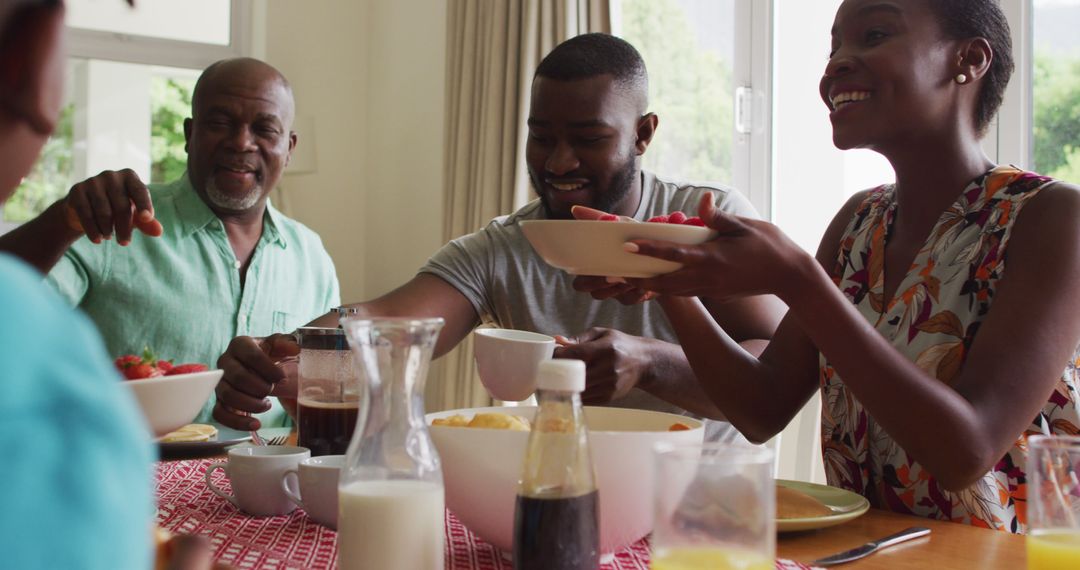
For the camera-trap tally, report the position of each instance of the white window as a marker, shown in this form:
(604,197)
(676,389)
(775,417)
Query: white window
(1055,89)
(130,75)
(812,178)
(709,82)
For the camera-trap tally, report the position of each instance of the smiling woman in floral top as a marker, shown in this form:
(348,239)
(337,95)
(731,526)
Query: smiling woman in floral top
(934,359)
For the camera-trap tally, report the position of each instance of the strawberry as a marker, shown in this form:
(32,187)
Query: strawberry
(694,221)
(676,217)
(608,218)
(185,369)
(140,371)
(126,360)
(146,366)
(661,219)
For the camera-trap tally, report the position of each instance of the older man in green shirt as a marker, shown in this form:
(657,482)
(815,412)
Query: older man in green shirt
(213,259)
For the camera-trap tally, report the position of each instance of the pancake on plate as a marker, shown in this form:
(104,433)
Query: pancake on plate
(792,504)
(189,433)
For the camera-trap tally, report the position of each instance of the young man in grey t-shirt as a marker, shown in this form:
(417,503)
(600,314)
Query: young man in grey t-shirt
(588,128)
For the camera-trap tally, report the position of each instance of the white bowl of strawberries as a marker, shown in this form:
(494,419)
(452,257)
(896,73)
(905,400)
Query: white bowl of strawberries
(170,395)
(595,247)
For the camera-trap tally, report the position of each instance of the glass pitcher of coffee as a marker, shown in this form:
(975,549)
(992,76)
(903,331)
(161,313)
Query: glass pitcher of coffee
(328,391)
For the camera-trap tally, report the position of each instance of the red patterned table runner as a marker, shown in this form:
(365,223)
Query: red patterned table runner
(186,506)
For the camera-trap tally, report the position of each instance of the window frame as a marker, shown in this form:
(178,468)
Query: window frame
(755,69)
(129,48)
(1010,140)
(144,50)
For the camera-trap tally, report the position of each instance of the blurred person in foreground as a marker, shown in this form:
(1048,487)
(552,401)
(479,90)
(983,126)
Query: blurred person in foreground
(212,258)
(78,456)
(588,126)
(940,319)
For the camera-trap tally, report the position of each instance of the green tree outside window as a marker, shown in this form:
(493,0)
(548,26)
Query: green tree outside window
(690,90)
(53,174)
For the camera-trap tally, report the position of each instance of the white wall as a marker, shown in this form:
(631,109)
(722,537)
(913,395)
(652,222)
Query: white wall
(405,138)
(368,80)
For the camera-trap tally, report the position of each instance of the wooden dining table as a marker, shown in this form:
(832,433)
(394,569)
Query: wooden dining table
(948,546)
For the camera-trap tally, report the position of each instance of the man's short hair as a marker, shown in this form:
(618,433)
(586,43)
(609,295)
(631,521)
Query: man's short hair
(590,55)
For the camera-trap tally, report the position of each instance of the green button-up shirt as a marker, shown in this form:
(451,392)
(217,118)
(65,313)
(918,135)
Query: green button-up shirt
(180,294)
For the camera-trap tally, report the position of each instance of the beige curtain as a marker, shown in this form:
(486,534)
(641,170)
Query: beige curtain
(493,47)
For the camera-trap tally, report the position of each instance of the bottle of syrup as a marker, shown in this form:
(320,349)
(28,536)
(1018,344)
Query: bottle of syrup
(556,520)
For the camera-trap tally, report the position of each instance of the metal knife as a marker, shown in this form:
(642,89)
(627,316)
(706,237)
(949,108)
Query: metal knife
(872,547)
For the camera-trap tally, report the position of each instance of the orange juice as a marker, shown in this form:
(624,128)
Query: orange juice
(1053,549)
(719,558)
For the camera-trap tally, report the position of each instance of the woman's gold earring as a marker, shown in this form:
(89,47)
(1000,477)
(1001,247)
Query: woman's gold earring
(961,79)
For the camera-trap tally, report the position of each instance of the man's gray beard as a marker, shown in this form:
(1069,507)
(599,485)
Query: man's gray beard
(231,203)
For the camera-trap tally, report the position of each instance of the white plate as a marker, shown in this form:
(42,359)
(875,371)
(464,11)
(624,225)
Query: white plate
(588,247)
(846,506)
(225,437)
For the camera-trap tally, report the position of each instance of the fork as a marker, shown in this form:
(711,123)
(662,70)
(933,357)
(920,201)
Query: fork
(279,440)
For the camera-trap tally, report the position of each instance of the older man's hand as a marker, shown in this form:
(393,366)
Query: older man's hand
(113,202)
(251,376)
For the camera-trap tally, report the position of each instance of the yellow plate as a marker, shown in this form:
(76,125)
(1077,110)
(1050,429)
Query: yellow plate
(845,505)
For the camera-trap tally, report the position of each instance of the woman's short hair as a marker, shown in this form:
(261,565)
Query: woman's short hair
(963,19)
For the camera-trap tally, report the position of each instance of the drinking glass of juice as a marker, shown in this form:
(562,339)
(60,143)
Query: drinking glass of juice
(1053,479)
(715,508)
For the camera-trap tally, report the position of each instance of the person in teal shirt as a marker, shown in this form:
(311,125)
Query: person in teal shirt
(184,267)
(78,458)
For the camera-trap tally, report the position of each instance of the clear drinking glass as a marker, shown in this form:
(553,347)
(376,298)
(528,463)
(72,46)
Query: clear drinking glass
(391,500)
(715,508)
(1053,493)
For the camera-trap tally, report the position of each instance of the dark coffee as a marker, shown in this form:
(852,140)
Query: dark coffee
(326,427)
(560,533)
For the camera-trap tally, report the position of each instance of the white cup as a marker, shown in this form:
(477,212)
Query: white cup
(507,359)
(255,474)
(313,486)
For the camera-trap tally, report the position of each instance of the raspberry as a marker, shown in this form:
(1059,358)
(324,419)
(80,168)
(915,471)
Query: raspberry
(608,218)
(694,221)
(661,219)
(676,217)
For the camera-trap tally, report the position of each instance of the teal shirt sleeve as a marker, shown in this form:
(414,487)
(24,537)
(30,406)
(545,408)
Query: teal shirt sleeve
(72,275)
(333,293)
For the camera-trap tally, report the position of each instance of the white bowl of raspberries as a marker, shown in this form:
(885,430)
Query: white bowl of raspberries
(595,247)
(170,395)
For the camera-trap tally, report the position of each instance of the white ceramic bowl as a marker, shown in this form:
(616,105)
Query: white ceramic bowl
(482,467)
(171,402)
(587,247)
(507,359)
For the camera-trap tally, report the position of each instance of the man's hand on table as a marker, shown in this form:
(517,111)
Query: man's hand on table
(251,377)
(615,362)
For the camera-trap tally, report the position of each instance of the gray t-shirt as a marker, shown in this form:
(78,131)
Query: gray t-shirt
(512,287)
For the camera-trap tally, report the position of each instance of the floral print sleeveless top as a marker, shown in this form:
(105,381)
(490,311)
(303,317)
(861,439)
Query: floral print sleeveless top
(933,319)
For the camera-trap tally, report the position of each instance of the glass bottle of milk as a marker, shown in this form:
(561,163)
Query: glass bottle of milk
(391,512)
